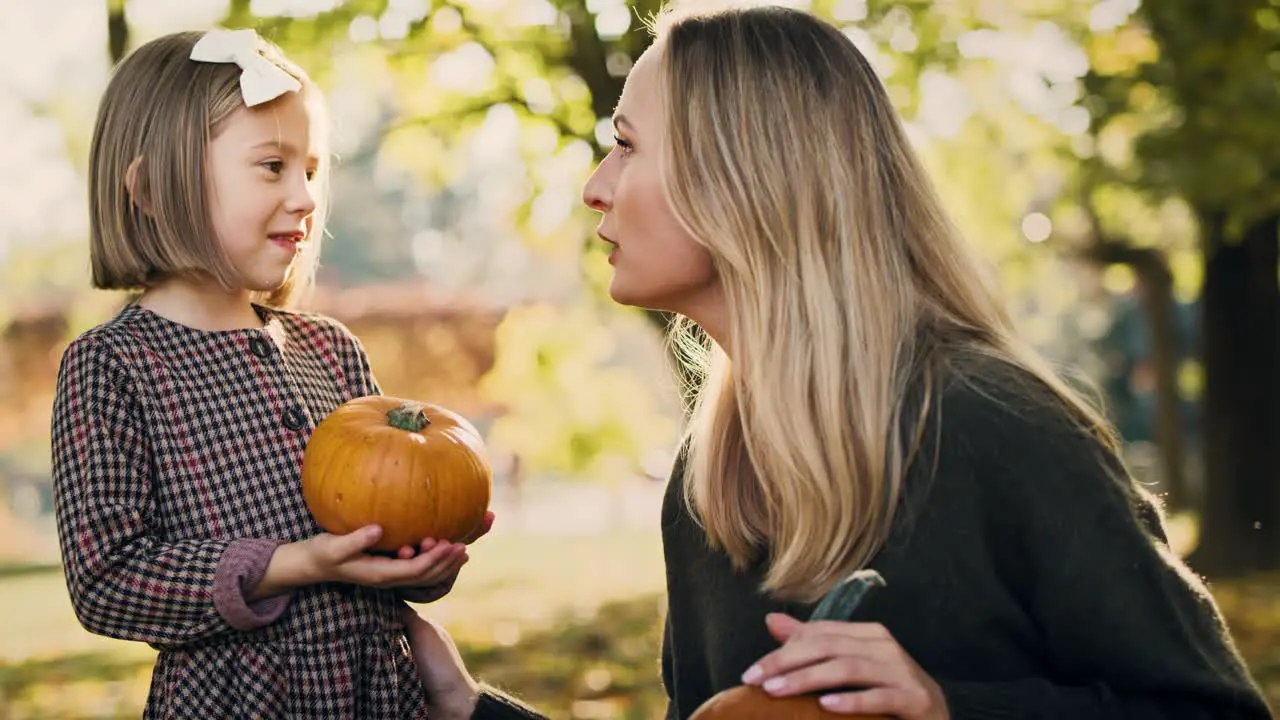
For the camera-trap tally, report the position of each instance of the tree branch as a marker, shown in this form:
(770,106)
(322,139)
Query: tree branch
(476,107)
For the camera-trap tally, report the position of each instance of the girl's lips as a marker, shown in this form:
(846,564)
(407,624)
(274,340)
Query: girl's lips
(289,242)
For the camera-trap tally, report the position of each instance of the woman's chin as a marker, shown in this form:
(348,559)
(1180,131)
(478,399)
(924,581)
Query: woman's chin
(624,294)
(619,292)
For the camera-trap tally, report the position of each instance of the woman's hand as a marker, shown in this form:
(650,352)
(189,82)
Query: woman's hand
(451,692)
(828,655)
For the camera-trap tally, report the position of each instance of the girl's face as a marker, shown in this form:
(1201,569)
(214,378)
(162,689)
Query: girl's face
(657,263)
(262,183)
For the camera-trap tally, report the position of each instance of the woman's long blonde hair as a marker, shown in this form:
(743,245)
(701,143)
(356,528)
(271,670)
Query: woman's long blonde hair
(840,271)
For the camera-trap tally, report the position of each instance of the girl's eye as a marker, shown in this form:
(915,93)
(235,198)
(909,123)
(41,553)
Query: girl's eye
(625,145)
(275,167)
(311,175)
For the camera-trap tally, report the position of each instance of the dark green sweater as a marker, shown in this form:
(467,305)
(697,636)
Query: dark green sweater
(1027,575)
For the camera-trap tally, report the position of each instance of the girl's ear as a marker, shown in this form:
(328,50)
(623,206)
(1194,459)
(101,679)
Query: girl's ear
(135,183)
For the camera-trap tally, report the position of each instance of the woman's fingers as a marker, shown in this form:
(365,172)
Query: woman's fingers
(909,701)
(853,667)
(837,672)
(815,642)
(782,626)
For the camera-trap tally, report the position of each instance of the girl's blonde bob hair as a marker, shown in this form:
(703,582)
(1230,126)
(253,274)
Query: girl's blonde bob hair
(155,121)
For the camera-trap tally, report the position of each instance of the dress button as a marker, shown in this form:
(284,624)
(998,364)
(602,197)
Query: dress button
(258,346)
(293,419)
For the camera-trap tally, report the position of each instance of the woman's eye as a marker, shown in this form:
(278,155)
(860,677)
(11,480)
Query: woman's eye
(624,145)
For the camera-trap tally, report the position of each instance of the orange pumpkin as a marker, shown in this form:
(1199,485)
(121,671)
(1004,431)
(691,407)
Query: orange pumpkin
(748,702)
(415,469)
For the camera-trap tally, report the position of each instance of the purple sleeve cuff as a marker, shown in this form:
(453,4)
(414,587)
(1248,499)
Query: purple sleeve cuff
(240,569)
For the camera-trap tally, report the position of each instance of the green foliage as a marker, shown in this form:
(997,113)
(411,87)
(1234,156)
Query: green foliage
(457,81)
(603,667)
(1197,88)
(571,405)
(491,105)
(92,684)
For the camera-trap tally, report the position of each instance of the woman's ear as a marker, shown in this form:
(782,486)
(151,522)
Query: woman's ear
(135,183)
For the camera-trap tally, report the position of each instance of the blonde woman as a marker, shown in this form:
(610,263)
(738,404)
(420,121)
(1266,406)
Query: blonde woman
(866,404)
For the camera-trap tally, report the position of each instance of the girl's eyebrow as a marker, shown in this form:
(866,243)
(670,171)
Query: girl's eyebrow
(284,147)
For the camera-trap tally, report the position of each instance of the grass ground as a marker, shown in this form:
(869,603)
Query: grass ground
(570,623)
(565,619)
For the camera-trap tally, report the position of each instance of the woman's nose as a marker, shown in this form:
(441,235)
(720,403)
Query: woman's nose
(597,194)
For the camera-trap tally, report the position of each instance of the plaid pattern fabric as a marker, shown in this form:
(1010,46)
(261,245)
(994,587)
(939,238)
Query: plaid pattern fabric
(172,443)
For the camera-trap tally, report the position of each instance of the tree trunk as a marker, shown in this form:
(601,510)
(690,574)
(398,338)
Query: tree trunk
(1240,526)
(1155,287)
(1155,298)
(117,31)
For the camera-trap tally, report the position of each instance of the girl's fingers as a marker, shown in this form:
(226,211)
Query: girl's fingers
(486,524)
(379,571)
(409,551)
(340,548)
(447,569)
(439,562)
(444,575)
(423,562)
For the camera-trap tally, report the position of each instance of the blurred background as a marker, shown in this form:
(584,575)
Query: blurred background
(1117,161)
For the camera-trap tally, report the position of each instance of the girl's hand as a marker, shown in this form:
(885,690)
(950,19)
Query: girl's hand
(344,558)
(425,593)
(451,692)
(431,593)
(826,655)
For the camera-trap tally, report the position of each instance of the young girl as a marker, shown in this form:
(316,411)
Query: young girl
(179,425)
(867,404)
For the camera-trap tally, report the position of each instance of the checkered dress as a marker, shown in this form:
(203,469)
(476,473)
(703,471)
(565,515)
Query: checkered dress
(176,461)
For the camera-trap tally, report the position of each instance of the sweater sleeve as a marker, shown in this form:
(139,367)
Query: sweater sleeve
(124,581)
(1136,632)
(497,705)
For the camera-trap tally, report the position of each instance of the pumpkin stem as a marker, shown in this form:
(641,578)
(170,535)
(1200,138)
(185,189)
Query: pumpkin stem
(409,417)
(840,602)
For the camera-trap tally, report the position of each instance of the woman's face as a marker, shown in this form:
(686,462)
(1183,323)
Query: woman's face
(657,263)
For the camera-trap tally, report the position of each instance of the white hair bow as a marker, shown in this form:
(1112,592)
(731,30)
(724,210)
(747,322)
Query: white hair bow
(260,79)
